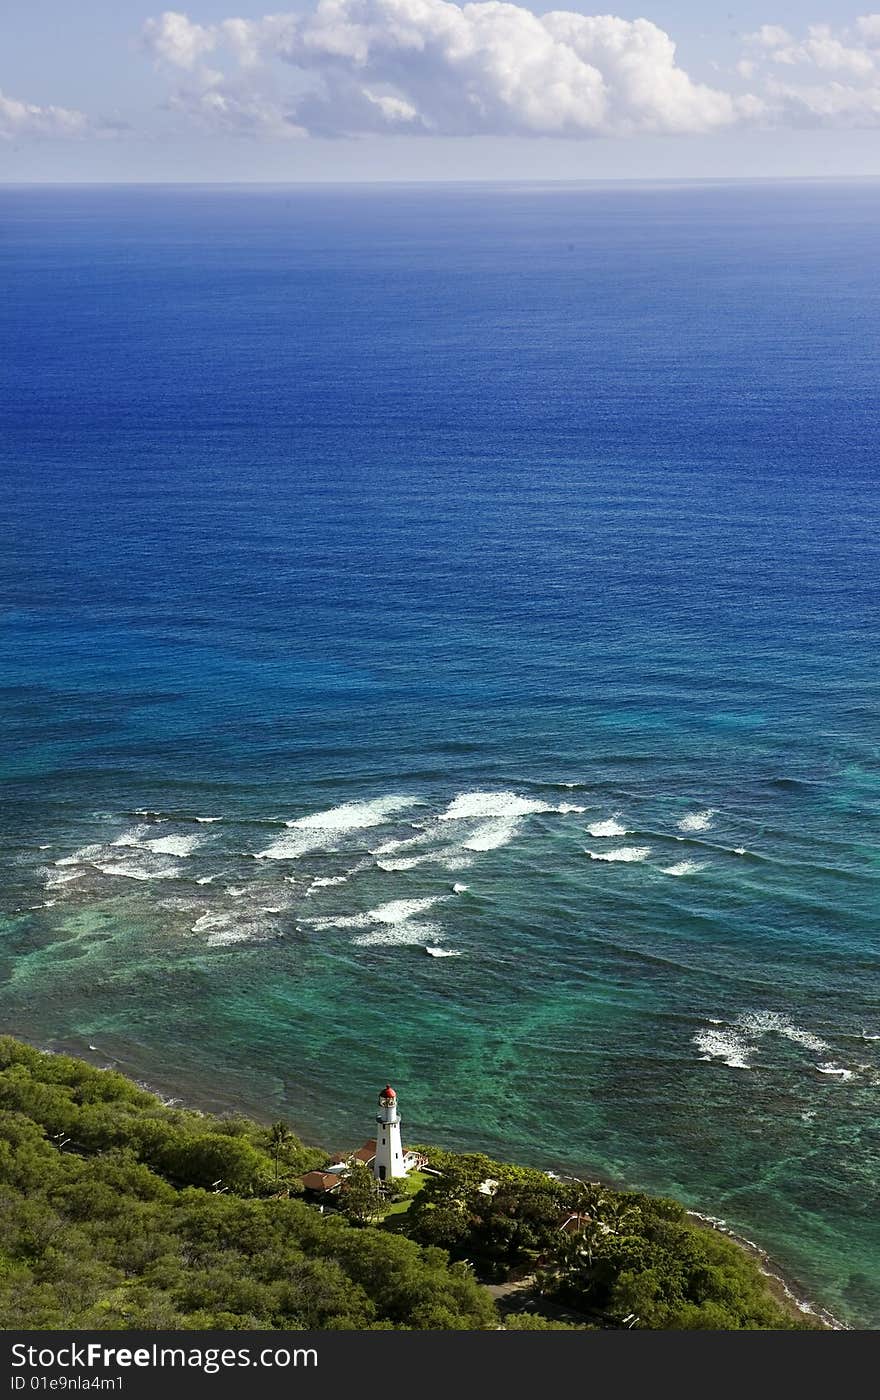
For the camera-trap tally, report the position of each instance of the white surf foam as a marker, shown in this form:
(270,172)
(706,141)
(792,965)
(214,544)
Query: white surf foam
(408,931)
(206,880)
(81,857)
(173,845)
(726,1046)
(610,827)
(442,952)
(626,853)
(837,1070)
(325,830)
(321,882)
(697,821)
(400,843)
(683,867)
(460,889)
(55,879)
(507,805)
(407,863)
(397,921)
(134,837)
(136,872)
(224,928)
(208,819)
(492,835)
(767,1022)
(398,911)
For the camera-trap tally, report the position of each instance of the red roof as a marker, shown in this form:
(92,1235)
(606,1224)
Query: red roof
(365,1153)
(321,1181)
(388,1093)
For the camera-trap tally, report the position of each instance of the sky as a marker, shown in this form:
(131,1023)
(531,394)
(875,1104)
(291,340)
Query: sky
(403,90)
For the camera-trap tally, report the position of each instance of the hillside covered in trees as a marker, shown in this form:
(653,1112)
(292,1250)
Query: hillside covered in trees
(117,1211)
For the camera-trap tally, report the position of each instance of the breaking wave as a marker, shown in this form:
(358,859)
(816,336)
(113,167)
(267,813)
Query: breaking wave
(697,821)
(324,830)
(725,1045)
(625,853)
(683,867)
(610,827)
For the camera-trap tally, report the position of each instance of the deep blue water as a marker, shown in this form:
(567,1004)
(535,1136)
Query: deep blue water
(470,519)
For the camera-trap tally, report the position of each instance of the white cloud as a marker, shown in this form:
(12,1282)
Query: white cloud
(823,50)
(832,104)
(769,36)
(174,39)
(869,29)
(827,77)
(25,119)
(433,66)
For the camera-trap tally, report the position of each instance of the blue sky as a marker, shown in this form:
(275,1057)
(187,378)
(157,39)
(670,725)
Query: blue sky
(426,89)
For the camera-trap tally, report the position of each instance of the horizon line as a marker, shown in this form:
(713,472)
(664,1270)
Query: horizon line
(483,181)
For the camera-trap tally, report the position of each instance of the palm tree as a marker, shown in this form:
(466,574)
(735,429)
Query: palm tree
(619,1217)
(278,1137)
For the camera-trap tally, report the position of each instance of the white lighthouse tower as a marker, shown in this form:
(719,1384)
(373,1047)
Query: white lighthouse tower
(388,1162)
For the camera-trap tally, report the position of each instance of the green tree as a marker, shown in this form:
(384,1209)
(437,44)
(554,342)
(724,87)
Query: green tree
(359,1197)
(279,1135)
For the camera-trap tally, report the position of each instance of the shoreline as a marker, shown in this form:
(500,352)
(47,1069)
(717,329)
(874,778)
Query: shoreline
(786,1290)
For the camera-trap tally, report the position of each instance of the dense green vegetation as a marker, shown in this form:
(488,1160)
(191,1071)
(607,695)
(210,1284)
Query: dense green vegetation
(629,1259)
(117,1211)
(115,1228)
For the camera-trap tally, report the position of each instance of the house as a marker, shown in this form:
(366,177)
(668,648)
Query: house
(322,1183)
(386,1158)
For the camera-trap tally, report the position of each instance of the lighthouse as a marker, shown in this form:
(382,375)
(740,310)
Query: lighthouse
(388,1162)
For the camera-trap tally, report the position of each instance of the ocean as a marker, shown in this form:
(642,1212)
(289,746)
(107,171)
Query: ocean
(484,570)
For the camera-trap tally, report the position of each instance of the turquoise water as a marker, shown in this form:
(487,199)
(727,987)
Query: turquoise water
(410,535)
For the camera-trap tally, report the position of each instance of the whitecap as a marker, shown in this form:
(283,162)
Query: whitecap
(54,880)
(407,863)
(442,952)
(131,838)
(226,937)
(323,882)
(683,867)
(224,928)
(610,827)
(506,805)
(206,880)
(136,872)
(739,850)
(625,853)
(208,819)
(324,830)
(492,804)
(460,889)
(82,856)
(837,1070)
(492,835)
(767,1022)
(726,1046)
(697,821)
(398,844)
(400,935)
(173,845)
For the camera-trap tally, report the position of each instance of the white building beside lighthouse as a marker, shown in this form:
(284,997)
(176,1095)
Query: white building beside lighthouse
(388,1162)
(385,1154)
